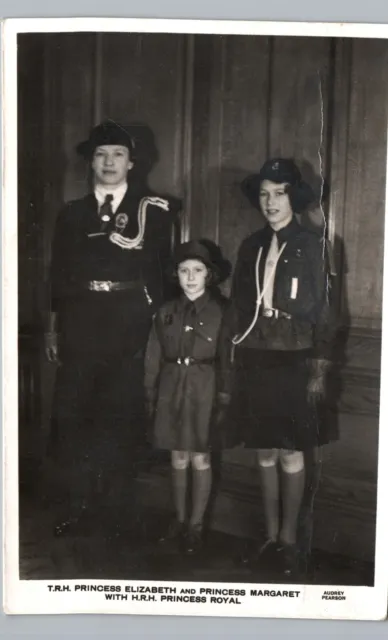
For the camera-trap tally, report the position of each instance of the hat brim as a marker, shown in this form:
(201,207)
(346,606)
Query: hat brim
(220,268)
(107,133)
(85,149)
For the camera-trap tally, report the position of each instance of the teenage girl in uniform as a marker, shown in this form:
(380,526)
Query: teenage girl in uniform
(280,330)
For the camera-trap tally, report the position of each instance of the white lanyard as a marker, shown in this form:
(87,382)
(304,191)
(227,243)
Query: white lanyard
(260,294)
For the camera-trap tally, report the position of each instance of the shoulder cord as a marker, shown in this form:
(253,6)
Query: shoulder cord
(133,243)
(238,339)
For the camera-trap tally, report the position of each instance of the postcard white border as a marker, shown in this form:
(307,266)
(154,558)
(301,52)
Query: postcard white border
(34,597)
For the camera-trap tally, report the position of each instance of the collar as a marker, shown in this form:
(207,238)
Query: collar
(285,233)
(118,194)
(199,303)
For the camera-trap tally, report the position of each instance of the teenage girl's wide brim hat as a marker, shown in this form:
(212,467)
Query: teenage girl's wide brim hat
(106,133)
(280,170)
(207,252)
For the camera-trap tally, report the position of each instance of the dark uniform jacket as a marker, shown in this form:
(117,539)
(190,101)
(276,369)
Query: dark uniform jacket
(301,292)
(181,371)
(112,321)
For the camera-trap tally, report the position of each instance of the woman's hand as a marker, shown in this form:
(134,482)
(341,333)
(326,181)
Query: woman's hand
(316,387)
(51,346)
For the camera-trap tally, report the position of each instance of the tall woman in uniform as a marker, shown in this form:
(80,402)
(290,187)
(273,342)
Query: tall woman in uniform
(181,382)
(280,332)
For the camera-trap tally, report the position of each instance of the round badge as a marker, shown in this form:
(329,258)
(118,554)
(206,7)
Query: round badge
(121,221)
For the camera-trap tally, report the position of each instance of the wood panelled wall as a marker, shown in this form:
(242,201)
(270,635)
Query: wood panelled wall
(323,102)
(219,106)
(366,158)
(137,80)
(318,100)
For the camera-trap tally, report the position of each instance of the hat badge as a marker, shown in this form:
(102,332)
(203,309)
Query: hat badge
(275,166)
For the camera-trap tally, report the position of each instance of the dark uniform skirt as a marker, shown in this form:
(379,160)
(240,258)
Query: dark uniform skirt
(269,406)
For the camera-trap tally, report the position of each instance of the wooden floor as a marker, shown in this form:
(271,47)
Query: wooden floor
(107,549)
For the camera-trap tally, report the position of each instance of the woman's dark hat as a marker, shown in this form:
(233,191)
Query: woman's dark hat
(108,132)
(207,252)
(280,170)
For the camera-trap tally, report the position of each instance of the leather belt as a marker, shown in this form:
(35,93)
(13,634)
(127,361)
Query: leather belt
(274,313)
(189,360)
(108,285)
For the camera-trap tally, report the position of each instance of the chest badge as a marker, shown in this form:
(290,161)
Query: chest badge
(121,221)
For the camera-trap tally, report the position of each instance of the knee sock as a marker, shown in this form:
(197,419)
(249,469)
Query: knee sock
(179,482)
(202,479)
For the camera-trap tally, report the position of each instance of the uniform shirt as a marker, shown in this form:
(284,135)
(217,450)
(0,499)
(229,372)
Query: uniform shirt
(184,393)
(183,328)
(82,253)
(301,289)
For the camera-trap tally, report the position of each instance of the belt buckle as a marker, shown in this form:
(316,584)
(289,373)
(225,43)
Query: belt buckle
(101,285)
(186,361)
(271,313)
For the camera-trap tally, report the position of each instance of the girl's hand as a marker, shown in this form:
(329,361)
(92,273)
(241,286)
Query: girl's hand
(316,389)
(150,408)
(223,401)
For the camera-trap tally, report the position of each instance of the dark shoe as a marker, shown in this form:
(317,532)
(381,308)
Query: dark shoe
(62,528)
(174,533)
(194,540)
(72,525)
(290,560)
(67,527)
(264,555)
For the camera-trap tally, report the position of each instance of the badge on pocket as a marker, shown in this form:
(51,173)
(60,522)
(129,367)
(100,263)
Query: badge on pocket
(294,288)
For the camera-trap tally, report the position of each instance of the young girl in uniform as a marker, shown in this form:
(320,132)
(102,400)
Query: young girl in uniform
(181,382)
(281,329)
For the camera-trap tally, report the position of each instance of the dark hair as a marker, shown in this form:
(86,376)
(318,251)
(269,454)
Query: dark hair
(280,171)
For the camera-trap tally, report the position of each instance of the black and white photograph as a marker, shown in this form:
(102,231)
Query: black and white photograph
(193,336)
